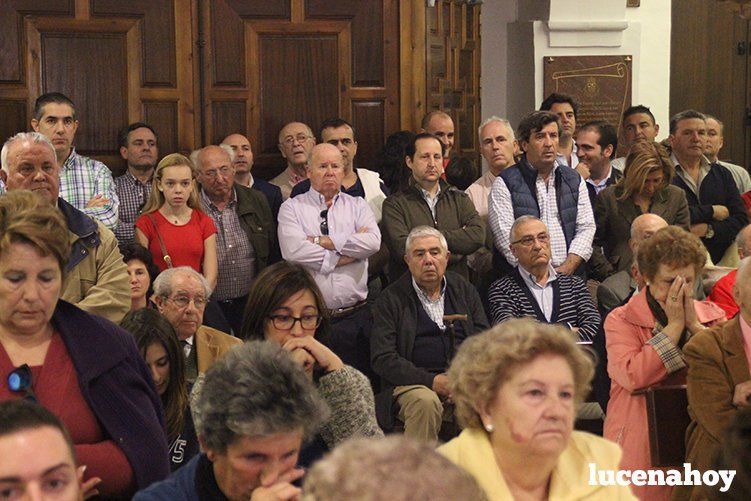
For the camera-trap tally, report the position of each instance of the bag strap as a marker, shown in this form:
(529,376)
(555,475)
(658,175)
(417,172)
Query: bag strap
(165,256)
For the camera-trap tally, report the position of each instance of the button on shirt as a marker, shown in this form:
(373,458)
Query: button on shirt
(434,309)
(603,182)
(235,254)
(133,195)
(81,178)
(703,171)
(432,201)
(543,294)
(300,218)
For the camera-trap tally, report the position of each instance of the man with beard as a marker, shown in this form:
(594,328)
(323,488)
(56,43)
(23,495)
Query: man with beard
(138,146)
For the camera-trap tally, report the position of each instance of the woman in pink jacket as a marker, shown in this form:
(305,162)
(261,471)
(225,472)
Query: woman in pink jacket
(644,339)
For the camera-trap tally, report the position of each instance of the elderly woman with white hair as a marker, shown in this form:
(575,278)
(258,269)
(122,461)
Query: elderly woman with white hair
(256,409)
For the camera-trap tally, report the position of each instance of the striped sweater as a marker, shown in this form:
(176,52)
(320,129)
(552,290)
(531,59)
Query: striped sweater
(509,297)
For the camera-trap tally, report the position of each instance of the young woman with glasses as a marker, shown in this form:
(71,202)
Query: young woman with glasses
(285,306)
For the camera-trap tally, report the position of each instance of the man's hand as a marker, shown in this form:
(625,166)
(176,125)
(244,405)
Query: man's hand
(700,230)
(741,394)
(89,487)
(281,490)
(441,386)
(97,201)
(583,170)
(569,266)
(720,212)
(324,241)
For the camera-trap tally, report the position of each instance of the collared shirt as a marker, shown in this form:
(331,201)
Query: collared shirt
(619,163)
(187,345)
(133,195)
(562,160)
(431,200)
(740,176)
(251,181)
(81,178)
(434,308)
(353,231)
(478,192)
(704,167)
(501,217)
(746,333)
(235,254)
(603,183)
(543,294)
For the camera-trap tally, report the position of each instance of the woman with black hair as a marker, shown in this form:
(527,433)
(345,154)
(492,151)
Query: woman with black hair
(141,272)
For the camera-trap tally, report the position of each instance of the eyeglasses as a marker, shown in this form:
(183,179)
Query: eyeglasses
(325,223)
(529,240)
(20,380)
(286,322)
(183,301)
(224,172)
(300,138)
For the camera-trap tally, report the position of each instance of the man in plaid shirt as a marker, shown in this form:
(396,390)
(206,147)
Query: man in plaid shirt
(84,183)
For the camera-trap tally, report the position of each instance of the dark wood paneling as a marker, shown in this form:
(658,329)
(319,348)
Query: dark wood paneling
(162,116)
(368,118)
(11,29)
(98,88)
(260,9)
(367,35)
(14,118)
(226,117)
(306,91)
(707,72)
(228,45)
(159,67)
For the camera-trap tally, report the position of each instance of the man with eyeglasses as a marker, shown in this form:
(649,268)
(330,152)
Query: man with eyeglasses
(534,289)
(296,142)
(333,234)
(181,294)
(138,147)
(246,231)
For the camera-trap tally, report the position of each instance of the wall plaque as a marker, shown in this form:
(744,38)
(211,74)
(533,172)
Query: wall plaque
(600,84)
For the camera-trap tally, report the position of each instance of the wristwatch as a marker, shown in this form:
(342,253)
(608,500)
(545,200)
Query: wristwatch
(317,240)
(710,232)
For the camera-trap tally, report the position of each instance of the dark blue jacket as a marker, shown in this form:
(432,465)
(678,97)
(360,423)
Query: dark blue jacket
(520,180)
(180,486)
(116,384)
(273,195)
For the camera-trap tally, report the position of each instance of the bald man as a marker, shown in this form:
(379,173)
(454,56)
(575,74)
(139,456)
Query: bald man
(296,142)
(456,168)
(722,292)
(242,161)
(333,234)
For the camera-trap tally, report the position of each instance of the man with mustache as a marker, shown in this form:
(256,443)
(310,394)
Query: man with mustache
(96,278)
(413,337)
(138,147)
(714,204)
(534,289)
(433,202)
(539,186)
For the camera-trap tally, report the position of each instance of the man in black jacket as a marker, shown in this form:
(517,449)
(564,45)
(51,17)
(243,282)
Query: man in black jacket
(716,209)
(419,322)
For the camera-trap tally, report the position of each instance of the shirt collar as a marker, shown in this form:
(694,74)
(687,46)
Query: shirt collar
(426,193)
(251,181)
(421,293)
(133,179)
(604,181)
(320,198)
(703,163)
(293,177)
(70,160)
(532,281)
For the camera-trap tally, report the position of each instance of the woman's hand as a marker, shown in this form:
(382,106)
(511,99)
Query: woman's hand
(675,311)
(741,394)
(327,359)
(305,359)
(692,323)
(281,490)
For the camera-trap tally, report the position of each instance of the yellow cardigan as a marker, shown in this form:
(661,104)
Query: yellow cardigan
(570,479)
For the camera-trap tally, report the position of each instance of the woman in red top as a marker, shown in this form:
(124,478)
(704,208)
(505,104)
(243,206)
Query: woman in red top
(172,221)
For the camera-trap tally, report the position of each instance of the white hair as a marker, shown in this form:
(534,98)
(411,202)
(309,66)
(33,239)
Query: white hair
(163,282)
(29,137)
(499,120)
(422,232)
(197,153)
(519,221)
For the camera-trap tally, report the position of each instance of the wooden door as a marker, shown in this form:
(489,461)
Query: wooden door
(119,62)
(708,70)
(269,62)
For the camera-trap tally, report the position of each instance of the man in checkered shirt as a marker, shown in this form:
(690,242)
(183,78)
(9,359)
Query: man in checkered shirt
(85,183)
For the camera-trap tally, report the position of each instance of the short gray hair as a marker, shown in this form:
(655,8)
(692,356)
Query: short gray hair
(30,137)
(256,389)
(422,232)
(520,221)
(195,154)
(163,282)
(399,469)
(500,120)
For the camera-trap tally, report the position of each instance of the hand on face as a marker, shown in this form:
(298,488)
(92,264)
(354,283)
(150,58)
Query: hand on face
(282,489)
(321,355)
(675,303)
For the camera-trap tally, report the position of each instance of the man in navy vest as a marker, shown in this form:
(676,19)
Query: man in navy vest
(539,186)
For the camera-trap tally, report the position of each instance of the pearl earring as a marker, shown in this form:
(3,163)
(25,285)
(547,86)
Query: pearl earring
(489,428)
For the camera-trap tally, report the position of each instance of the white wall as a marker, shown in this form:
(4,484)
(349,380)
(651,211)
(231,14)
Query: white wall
(512,55)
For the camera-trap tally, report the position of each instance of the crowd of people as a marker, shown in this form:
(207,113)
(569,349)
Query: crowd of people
(190,331)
